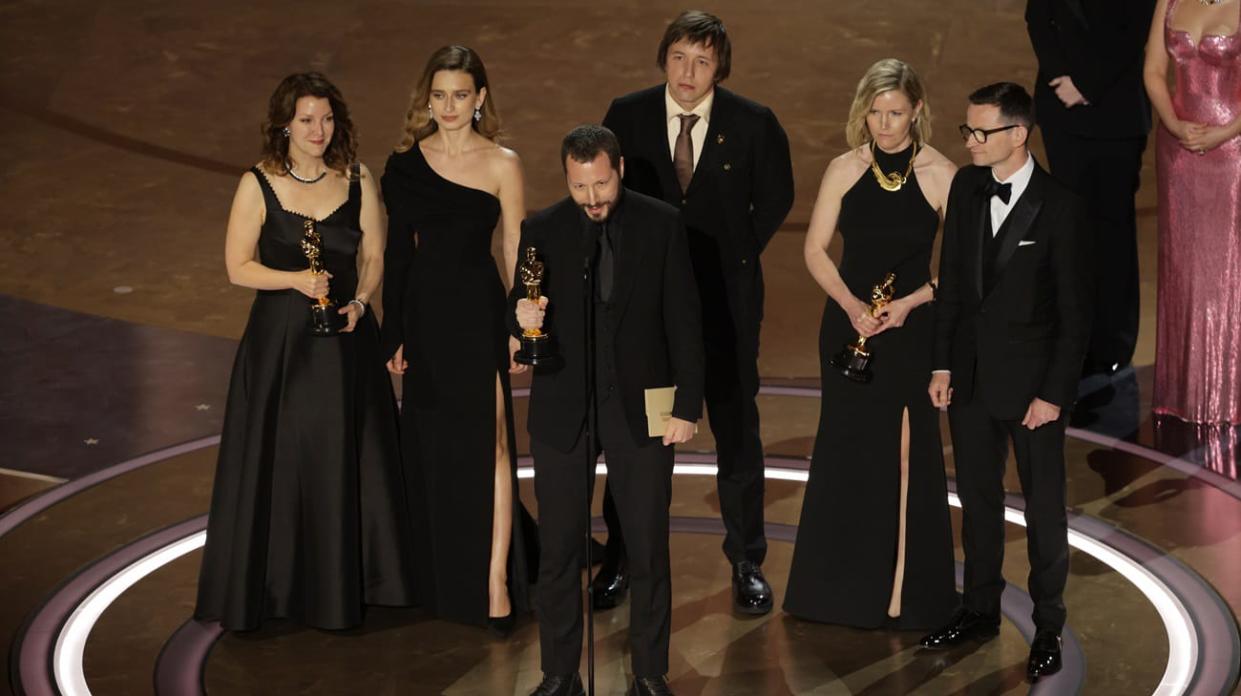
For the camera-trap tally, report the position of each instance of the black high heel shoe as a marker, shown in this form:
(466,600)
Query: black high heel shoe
(502,626)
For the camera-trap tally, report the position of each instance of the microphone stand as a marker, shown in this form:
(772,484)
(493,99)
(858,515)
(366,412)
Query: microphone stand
(588,295)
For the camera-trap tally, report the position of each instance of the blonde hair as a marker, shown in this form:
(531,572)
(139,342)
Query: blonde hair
(418,122)
(884,76)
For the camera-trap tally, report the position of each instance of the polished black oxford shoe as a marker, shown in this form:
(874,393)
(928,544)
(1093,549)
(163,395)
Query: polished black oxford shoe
(965,626)
(562,685)
(1044,655)
(610,585)
(751,593)
(649,686)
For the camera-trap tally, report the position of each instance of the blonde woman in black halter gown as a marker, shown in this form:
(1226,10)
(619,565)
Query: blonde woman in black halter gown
(874,545)
(447,187)
(308,517)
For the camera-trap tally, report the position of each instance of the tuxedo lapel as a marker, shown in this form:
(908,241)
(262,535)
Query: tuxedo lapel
(717,135)
(1019,221)
(1078,12)
(982,230)
(628,261)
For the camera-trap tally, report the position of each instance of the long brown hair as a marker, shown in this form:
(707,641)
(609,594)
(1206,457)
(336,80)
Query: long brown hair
(418,122)
(282,107)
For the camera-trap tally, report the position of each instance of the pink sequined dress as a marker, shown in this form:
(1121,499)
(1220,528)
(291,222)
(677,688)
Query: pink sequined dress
(1198,338)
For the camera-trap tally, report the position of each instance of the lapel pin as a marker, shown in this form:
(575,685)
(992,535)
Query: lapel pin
(719,139)
(728,167)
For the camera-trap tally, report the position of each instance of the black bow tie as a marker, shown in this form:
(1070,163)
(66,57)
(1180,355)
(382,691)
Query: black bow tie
(995,188)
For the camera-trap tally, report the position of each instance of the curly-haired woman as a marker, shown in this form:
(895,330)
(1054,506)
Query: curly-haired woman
(308,517)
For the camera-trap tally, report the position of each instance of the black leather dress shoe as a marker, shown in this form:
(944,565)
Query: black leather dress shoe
(610,585)
(965,626)
(1044,655)
(649,686)
(563,685)
(751,593)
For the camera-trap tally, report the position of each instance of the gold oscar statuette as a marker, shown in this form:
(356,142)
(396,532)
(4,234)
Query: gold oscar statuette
(324,321)
(853,360)
(537,348)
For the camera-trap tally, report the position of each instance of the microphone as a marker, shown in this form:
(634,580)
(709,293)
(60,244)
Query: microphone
(592,246)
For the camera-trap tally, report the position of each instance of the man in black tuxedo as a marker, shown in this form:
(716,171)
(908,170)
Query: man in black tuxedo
(1095,117)
(647,334)
(1012,317)
(724,162)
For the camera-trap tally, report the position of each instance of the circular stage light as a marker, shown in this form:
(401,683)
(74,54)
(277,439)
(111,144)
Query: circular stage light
(1178,623)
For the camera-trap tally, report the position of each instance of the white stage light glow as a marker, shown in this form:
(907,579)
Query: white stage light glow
(71,642)
(1182,638)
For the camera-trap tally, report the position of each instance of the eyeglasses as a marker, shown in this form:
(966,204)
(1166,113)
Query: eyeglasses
(981,134)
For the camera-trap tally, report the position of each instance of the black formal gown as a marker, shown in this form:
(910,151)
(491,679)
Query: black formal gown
(308,519)
(444,301)
(846,551)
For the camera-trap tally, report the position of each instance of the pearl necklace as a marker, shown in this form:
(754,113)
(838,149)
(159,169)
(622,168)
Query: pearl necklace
(288,169)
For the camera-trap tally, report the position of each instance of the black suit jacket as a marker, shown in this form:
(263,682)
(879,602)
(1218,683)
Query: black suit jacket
(1099,43)
(658,331)
(1025,338)
(741,191)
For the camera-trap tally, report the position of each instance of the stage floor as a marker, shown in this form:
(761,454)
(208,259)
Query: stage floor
(128,126)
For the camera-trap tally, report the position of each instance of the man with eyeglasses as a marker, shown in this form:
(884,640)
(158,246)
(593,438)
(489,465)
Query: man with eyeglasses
(1095,117)
(1012,319)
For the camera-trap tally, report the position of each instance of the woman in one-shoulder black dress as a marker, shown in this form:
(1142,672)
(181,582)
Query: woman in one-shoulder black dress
(874,545)
(444,328)
(308,516)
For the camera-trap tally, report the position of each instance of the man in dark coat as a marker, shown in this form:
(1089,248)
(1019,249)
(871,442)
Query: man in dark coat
(1011,322)
(1092,108)
(723,160)
(647,334)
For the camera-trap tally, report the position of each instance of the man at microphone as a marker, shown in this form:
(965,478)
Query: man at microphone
(647,334)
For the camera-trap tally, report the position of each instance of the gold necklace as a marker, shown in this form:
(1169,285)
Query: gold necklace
(893,181)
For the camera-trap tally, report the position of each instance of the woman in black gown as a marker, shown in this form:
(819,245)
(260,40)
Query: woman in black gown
(308,517)
(874,545)
(446,187)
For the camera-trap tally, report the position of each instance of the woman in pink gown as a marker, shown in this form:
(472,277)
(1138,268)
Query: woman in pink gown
(1198,338)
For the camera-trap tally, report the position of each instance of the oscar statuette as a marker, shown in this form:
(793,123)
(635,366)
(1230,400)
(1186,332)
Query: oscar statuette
(853,360)
(324,320)
(537,348)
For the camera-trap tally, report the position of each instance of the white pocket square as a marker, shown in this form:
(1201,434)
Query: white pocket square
(1026,242)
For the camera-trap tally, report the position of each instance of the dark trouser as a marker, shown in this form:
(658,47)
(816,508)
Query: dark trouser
(980,446)
(730,390)
(640,477)
(1106,174)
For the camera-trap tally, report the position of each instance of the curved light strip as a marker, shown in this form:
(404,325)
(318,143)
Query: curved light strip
(1182,638)
(1177,623)
(71,642)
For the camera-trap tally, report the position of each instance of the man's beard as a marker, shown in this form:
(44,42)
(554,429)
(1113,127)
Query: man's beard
(605,213)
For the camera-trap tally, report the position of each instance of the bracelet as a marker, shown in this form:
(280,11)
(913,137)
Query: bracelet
(361,305)
(934,290)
